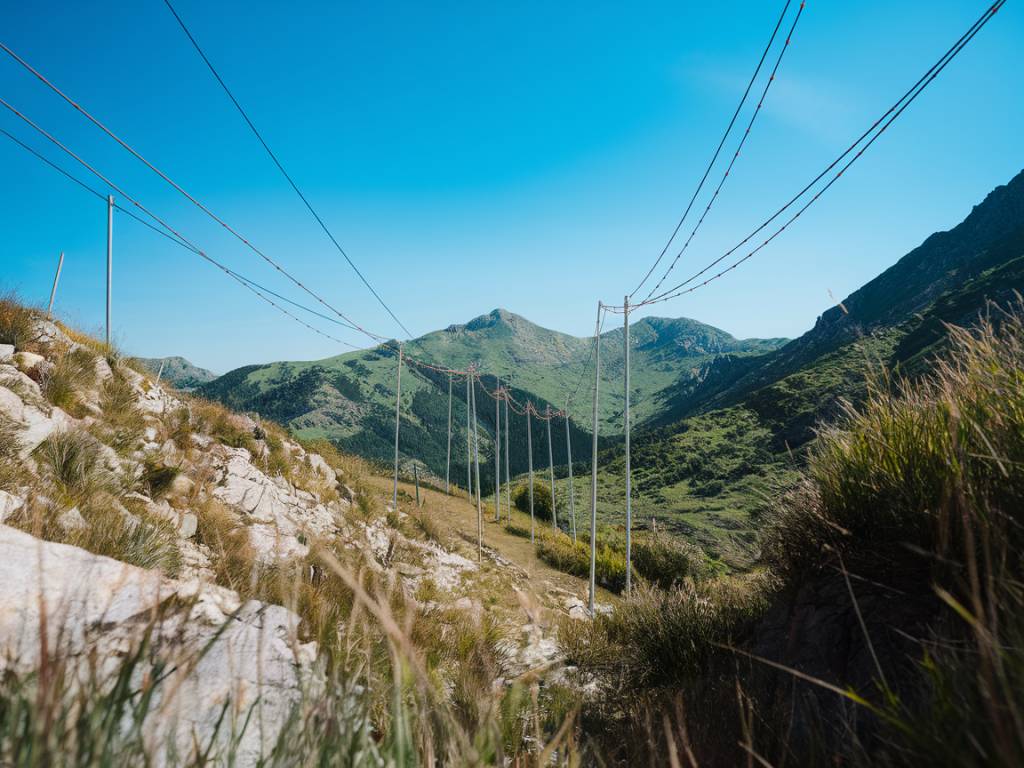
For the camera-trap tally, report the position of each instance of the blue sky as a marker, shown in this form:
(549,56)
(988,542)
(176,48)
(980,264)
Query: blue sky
(532,156)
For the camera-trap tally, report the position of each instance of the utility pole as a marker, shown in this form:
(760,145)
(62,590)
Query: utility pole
(160,372)
(593,468)
(53,291)
(529,457)
(476,455)
(398,403)
(497,455)
(469,441)
(551,472)
(110,259)
(572,493)
(416,476)
(629,489)
(508,476)
(448,460)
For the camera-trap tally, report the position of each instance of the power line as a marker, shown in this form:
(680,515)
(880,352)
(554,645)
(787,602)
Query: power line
(736,154)
(877,128)
(721,143)
(170,232)
(42,78)
(280,167)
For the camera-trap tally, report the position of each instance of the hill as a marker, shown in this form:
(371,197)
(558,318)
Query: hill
(734,441)
(178,371)
(349,399)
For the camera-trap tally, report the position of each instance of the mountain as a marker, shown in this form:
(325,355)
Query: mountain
(728,445)
(178,371)
(349,399)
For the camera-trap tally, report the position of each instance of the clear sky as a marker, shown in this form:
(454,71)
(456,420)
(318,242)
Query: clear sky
(533,156)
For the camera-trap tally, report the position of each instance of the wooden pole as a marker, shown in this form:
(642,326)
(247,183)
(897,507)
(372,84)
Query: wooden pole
(110,259)
(529,457)
(53,291)
(476,456)
(593,468)
(448,459)
(398,403)
(572,491)
(629,490)
(497,456)
(551,471)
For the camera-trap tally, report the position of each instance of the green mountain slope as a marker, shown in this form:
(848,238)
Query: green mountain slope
(349,399)
(178,371)
(736,438)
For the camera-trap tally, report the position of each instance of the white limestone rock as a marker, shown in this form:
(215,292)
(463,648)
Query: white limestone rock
(91,602)
(9,504)
(6,352)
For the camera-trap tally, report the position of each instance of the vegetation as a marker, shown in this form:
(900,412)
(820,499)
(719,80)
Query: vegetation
(541,501)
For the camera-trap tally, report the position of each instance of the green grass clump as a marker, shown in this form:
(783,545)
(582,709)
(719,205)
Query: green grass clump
(10,464)
(559,551)
(668,560)
(17,324)
(67,376)
(73,463)
(123,422)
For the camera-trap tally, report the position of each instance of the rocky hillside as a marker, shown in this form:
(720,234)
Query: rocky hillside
(178,541)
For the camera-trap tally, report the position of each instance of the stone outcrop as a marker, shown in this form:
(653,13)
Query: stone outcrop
(89,602)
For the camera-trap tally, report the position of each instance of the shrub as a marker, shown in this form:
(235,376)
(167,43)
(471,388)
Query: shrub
(541,500)
(558,551)
(10,464)
(666,560)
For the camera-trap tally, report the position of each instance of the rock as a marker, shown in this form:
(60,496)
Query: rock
(347,494)
(103,371)
(149,434)
(46,332)
(72,520)
(281,516)
(26,361)
(254,663)
(9,504)
(577,609)
(409,570)
(182,485)
(188,524)
(316,461)
(6,351)
(39,426)
(11,405)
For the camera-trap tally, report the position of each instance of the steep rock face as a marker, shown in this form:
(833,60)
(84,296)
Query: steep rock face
(87,603)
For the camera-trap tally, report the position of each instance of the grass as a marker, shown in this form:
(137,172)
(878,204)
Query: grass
(123,422)
(10,461)
(17,324)
(69,373)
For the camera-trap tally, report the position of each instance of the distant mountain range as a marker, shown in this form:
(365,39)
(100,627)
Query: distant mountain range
(721,422)
(178,371)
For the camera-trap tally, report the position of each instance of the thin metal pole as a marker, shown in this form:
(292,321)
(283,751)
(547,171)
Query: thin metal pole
(416,476)
(53,291)
(497,457)
(551,472)
(572,492)
(593,468)
(448,460)
(469,445)
(110,258)
(508,476)
(476,456)
(629,489)
(160,372)
(476,452)
(529,456)
(398,403)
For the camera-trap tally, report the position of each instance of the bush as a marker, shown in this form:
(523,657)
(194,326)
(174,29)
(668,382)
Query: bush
(73,462)
(666,560)
(558,551)
(541,500)
(66,377)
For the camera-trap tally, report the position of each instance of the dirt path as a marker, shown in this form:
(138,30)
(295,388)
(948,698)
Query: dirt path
(459,516)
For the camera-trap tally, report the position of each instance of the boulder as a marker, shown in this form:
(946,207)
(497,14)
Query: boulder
(6,351)
(97,609)
(39,426)
(316,461)
(9,504)
(26,361)
(188,524)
